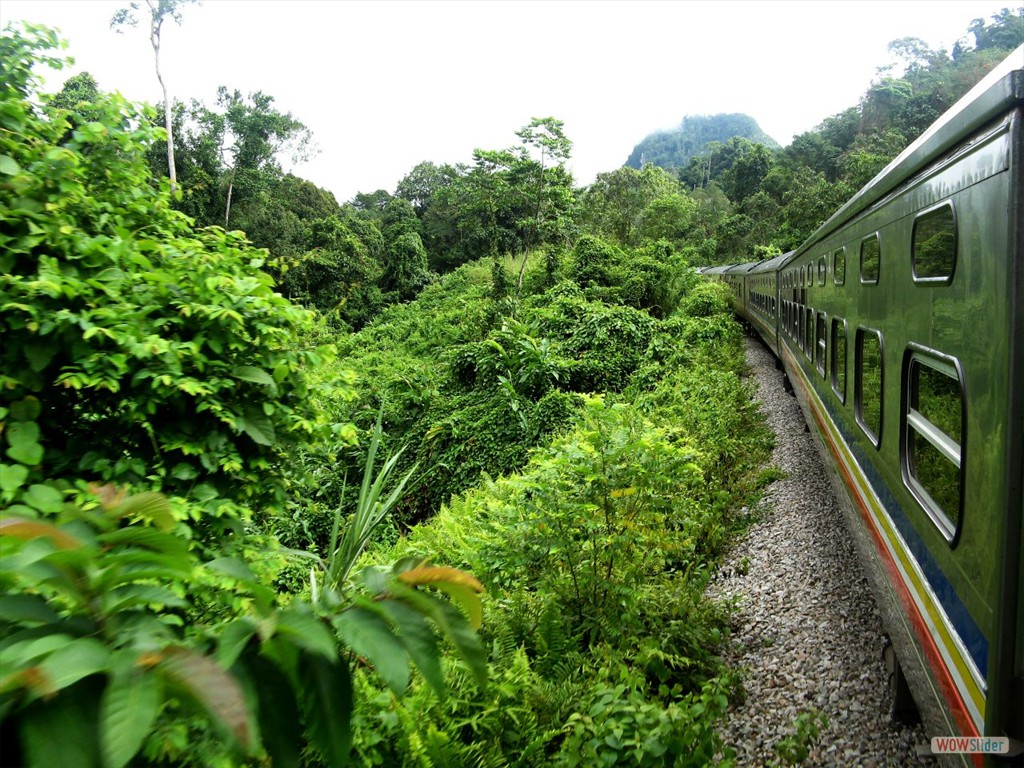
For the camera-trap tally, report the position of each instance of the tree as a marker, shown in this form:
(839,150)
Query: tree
(613,206)
(751,165)
(405,267)
(77,98)
(79,91)
(1005,33)
(159,10)
(546,136)
(669,217)
(255,133)
(419,185)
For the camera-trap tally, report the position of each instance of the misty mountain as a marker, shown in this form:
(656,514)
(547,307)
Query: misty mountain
(672,149)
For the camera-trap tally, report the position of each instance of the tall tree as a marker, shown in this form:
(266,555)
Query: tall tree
(255,134)
(159,10)
(546,137)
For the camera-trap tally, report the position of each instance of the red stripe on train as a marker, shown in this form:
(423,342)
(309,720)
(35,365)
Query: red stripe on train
(935,661)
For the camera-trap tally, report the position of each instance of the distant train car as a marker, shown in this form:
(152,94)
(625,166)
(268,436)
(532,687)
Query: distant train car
(900,324)
(763,299)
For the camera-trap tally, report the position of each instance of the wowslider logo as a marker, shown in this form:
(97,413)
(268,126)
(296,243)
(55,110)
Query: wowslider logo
(970,745)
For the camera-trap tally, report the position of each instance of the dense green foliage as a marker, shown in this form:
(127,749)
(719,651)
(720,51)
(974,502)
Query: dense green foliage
(594,556)
(155,393)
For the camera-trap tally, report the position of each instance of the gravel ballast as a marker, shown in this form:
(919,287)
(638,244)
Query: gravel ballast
(807,633)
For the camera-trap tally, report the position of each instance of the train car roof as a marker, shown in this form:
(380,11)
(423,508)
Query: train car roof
(741,269)
(713,270)
(994,95)
(772,264)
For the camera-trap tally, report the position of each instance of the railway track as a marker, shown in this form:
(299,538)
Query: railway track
(807,632)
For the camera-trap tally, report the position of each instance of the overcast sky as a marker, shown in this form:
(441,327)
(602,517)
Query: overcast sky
(384,85)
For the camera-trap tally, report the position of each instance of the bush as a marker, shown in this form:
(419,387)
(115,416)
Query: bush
(156,353)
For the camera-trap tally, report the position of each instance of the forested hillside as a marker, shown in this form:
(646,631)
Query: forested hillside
(433,476)
(673,149)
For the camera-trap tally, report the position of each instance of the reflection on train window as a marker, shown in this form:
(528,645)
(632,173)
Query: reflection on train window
(821,270)
(934,431)
(934,245)
(839,266)
(819,349)
(870,258)
(867,389)
(838,368)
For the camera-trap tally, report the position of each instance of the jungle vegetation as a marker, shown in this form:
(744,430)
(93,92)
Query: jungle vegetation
(434,476)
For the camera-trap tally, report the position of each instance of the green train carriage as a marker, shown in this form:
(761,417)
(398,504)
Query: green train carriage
(900,324)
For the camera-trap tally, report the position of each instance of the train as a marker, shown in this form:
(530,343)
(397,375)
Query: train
(899,325)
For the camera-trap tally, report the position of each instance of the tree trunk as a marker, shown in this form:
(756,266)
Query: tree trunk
(227,209)
(536,222)
(154,39)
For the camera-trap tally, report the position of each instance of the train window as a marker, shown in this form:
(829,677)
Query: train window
(870,258)
(934,245)
(821,270)
(809,331)
(819,349)
(839,266)
(838,359)
(867,386)
(933,437)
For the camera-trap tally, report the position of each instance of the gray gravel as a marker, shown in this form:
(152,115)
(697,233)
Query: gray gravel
(807,634)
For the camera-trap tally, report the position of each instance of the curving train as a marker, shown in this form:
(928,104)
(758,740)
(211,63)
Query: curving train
(900,327)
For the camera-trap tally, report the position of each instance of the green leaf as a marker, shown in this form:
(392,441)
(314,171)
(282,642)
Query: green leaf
(368,634)
(9,166)
(23,437)
(132,595)
(40,354)
(326,697)
(80,658)
(256,376)
(128,708)
(12,477)
(306,631)
(454,626)
(467,598)
(233,567)
(279,717)
(184,471)
(45,498)
(26,409)
(26,609)
(418,639)
(152,507)
(257,426)
(150,538)
(232,641)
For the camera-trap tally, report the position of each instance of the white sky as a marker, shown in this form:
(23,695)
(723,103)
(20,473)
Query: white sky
(384,85)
